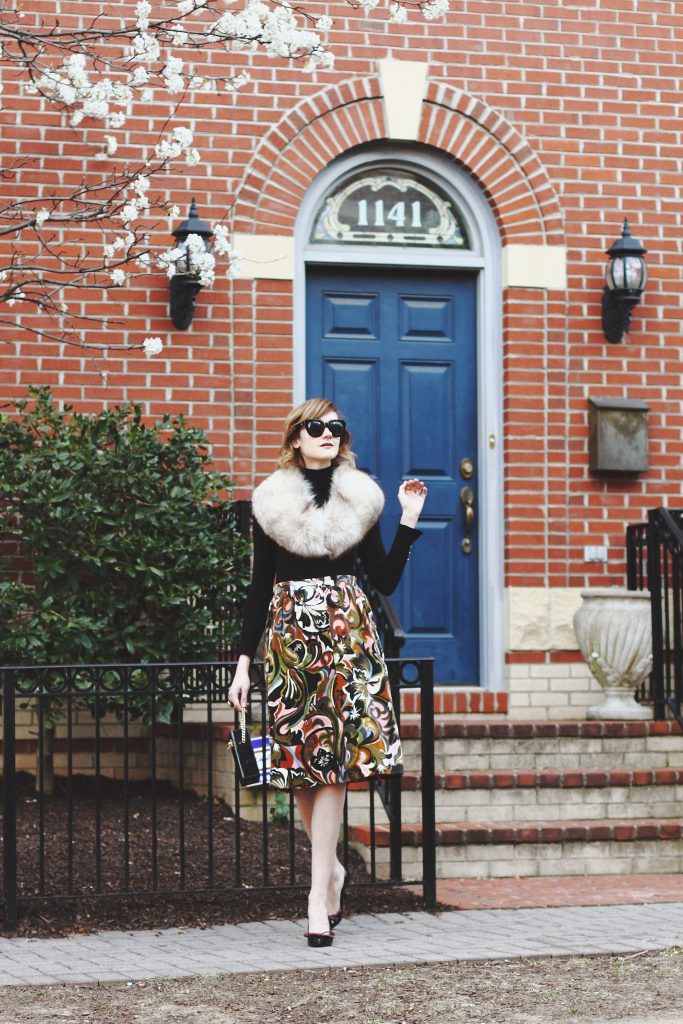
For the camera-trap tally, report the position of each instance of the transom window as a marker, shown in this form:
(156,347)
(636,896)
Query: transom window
(391,207)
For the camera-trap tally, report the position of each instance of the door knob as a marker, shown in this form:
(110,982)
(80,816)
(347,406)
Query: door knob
(467,502)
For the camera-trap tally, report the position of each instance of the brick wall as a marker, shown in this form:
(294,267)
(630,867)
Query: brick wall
(566,114)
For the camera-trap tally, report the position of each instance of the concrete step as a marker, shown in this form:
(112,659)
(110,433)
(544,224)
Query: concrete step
(485,745)
(492,849)
(547,795)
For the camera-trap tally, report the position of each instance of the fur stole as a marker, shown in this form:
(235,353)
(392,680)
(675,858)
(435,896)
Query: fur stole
(285,508)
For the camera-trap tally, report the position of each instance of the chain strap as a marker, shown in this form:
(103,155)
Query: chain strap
(243,726)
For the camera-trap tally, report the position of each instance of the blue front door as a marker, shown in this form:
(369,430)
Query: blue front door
(395,350)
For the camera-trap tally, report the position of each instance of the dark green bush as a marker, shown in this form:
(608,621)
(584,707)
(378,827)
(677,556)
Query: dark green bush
(118,542)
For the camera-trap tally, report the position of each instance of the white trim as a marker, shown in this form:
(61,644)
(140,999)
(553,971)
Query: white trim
(403,87)
(264,257)
(535,266)
(485,256)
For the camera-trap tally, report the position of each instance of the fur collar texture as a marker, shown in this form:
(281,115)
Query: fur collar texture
(285,508)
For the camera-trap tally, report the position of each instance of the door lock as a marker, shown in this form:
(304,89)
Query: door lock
(467,502)
(466,469)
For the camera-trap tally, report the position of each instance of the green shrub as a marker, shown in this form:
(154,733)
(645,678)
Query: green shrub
(118,542)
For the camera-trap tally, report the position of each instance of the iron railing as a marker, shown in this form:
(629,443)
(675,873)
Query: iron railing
(636,556)
(146,781)
(654,562)
(665,579)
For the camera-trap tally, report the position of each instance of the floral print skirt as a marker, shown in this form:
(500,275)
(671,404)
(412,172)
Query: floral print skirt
(331,715)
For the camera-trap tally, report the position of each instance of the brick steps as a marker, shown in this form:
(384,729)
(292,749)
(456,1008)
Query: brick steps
(531,849)
(467,833)
(537,798)
(547,779)
(460,700)
(566,746)
(482,729)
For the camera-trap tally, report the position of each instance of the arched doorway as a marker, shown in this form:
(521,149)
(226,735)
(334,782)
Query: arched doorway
(396,320)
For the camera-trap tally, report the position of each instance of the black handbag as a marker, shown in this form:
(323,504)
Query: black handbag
(246,765)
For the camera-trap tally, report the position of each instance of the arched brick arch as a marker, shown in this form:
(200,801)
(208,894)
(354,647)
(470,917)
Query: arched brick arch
(343,116)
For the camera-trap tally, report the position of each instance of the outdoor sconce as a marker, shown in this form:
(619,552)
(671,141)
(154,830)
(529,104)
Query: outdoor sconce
(626,278)
(185,282)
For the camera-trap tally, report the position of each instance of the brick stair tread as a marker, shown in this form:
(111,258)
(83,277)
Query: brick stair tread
(458,728)
(464,833)
(547,779)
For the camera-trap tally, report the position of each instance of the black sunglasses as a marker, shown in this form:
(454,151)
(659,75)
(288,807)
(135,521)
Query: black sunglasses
(316,428)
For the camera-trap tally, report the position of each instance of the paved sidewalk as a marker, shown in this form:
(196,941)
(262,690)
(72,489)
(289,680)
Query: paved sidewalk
(364,939)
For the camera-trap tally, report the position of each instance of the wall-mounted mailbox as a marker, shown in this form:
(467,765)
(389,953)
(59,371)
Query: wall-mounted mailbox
(618,435)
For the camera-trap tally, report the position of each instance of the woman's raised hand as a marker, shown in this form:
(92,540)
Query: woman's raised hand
(411,495)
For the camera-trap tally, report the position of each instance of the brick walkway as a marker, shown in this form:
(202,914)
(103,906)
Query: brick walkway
(551,929)
(588,891)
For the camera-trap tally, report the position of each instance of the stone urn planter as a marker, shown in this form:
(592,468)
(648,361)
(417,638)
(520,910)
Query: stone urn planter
(614,633)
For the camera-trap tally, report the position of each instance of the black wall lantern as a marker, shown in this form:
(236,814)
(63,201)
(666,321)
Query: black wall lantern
(185,282)
(626,279)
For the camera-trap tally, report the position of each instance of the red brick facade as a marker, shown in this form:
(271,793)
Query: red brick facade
(567,116)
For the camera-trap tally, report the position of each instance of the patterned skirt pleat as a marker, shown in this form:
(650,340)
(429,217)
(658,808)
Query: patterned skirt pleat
(331,715)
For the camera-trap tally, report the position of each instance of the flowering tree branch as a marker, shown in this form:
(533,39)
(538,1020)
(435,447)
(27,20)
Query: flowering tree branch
(64,238)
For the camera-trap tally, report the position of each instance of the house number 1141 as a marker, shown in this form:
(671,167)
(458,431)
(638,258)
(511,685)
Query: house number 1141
(396,215)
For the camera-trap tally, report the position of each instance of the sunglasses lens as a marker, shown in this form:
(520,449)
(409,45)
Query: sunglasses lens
(316,428)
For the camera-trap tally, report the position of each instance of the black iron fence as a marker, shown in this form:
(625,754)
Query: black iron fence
(654,562)
(118,782)
(665,580)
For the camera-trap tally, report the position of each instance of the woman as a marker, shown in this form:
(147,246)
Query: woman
(332,720)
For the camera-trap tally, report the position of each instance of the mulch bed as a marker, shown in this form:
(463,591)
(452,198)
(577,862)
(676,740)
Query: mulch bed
(98,818)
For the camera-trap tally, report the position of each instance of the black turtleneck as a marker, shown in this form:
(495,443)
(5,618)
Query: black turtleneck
(321,482)
(273,564)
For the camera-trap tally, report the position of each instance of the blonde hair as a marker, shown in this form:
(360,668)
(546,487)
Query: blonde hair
(311,409)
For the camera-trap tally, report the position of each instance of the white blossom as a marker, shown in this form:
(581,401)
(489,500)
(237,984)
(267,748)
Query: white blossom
(129,213)
(116,120)
(237,81)
(275,29)
(221,242)
(110,146)
(143,10)
(140,185)
(152,346)
(108,252)
(179,142)
(324,24)
(167,261)
(42,215)
(435,9)
(143,260)
(398,14)
(117,276)
(145,48)
(172,76)
(140,75)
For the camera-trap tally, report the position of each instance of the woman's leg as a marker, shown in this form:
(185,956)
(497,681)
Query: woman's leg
(304,797)
(323,811)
